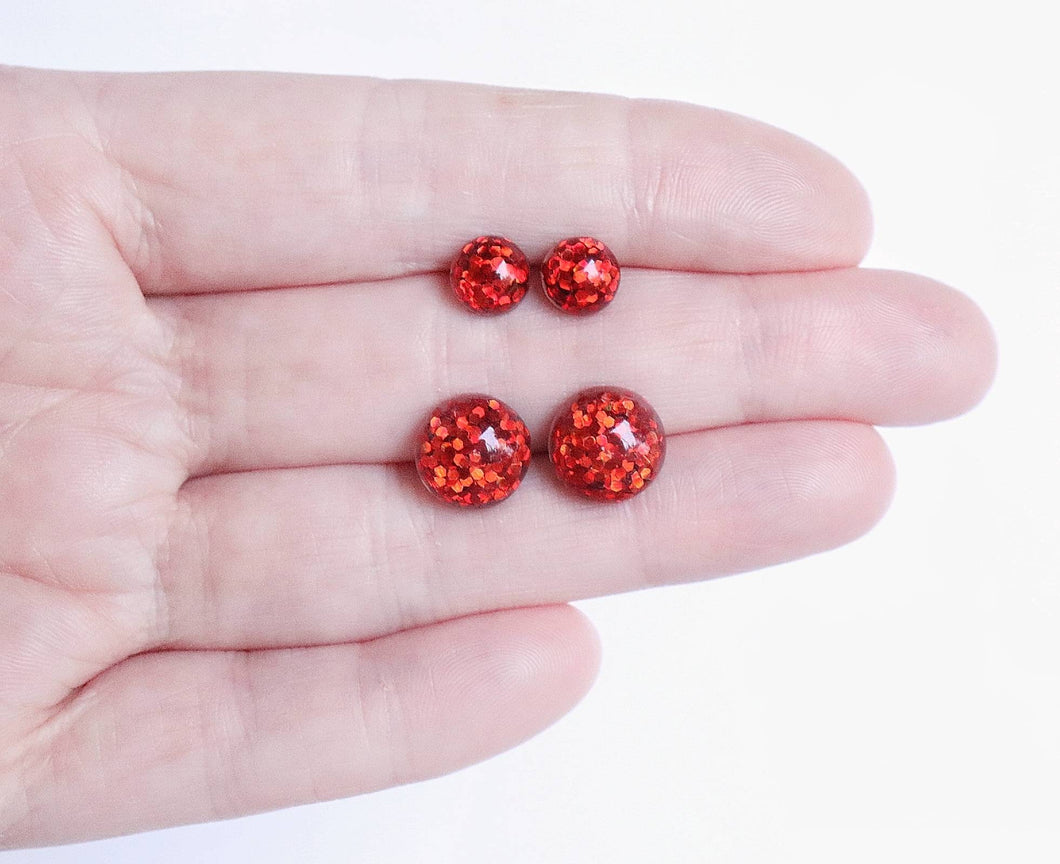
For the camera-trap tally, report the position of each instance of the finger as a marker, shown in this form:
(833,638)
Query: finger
(242,180)
(332,374)
(182,737)
(350,552)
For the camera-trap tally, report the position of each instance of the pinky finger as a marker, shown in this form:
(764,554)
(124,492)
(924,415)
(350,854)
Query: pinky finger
(179,737)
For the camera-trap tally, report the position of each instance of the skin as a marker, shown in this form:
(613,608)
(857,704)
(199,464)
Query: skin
(223,312)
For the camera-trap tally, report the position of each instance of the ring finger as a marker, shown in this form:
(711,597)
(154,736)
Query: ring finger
(338,553)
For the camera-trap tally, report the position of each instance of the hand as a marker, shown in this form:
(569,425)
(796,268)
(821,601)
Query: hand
(222,317)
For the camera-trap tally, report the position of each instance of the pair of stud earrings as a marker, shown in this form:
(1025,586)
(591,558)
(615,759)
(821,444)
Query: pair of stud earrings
(606,443)
(491,275)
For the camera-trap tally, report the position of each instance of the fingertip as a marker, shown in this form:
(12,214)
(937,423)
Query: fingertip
(840,485)
(852,226)
(830,481)
(948,347)
(847,474)
(719,192)
(973,352)
(490,681)
(553,649)
(582,647)
(830,224)
(874,468)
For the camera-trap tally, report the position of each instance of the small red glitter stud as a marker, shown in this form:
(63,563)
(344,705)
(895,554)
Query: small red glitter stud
(474,450)
(490,275)
(607,443)
(580,275)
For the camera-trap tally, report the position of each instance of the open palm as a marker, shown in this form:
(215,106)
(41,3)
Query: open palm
(223,314)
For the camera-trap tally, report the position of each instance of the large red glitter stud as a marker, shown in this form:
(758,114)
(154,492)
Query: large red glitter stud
(490,275)
(607,443)
(580,275)
(474,450)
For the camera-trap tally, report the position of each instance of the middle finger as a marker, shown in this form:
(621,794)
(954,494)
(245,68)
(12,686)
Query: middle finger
(339,374)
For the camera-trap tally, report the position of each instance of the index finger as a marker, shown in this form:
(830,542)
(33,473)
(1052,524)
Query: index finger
(251,180)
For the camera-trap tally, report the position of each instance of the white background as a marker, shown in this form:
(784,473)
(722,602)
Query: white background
(896,700)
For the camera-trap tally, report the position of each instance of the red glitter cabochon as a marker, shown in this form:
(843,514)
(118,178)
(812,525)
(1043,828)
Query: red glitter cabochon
(474,450)
(490,275)
(580,275)
(607,443)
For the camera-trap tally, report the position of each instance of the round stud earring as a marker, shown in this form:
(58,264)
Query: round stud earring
(490,275)
(473,450)
(607,443)
(580,275)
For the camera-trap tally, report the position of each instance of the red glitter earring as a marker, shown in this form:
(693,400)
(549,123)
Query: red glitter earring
(607,443)
(580,275)
(473,450)
(490,275)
